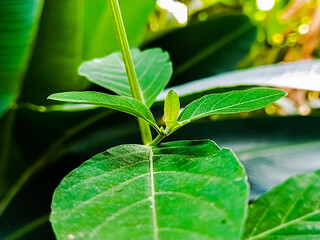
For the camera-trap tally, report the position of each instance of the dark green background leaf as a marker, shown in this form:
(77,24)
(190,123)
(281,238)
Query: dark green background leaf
(58,52)
(18,28)
(206,48)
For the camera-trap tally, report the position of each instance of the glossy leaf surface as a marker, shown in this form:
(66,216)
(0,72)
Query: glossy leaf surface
(230,102)
(289,211)
(178,190)
(120,103)
(153,69)
(18,28)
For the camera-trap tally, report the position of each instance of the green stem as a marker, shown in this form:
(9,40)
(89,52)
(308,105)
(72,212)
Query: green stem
(157,140)
(162,134)
(131,73)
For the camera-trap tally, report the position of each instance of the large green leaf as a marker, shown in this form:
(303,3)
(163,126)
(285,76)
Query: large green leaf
(58,52)
(296,75)
(271,149)
(153,69)
(99,34)
(179,190)
(229,102)
(120,103)
(289,211)
(206,48)
(18,27)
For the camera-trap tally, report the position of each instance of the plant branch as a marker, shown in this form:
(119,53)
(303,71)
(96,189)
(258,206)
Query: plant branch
(131,73)
(157,140)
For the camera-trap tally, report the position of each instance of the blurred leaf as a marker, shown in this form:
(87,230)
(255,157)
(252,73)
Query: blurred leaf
(58,52)
(297,75)
(18,28)
(289,211)
(206,48)
(176,190)
(272,164)
(229,102)
(153,69)
(99,34)
(72,107)
(120,103)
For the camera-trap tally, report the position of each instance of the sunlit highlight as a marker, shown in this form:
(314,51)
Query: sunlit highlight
(304,29)
(179,10)
(265,5)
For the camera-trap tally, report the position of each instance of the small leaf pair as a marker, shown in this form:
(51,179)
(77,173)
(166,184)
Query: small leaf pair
(221,103)
(154,70)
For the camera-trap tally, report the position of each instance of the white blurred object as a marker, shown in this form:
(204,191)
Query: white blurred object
(303,75)
(265,5)
(179,10)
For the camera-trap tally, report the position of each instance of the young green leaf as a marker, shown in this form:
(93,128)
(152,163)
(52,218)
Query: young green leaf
(177,190)
(229,102)
(120,103)
(289,211)
(171,108)
(153,69)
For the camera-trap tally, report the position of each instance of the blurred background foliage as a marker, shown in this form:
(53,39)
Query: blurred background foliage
(43,42)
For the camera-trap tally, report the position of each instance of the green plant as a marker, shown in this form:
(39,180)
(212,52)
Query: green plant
(173,190)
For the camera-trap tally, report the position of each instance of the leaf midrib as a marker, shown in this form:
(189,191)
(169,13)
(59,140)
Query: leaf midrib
(152,198)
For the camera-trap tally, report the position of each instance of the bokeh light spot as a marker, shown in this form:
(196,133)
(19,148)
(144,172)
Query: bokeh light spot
(304,29)
(265,5)
(277,38)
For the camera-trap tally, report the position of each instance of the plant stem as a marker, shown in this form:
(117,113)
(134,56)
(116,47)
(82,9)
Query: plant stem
(157,140)
(131,73)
